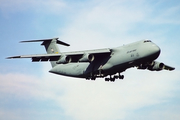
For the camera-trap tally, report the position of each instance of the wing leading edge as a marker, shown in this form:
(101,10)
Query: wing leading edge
(55,57)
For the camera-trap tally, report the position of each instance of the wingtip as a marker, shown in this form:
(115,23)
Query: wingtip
(9,58)
(13,57)
(173,69)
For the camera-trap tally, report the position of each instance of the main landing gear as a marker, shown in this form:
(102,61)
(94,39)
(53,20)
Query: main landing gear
(112,79)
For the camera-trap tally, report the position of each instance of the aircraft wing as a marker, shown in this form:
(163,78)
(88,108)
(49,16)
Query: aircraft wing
(54,57)
(39,57)
(166,67)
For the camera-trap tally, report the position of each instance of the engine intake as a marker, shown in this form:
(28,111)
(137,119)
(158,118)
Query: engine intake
(64,59)
(156,66)
(87,58)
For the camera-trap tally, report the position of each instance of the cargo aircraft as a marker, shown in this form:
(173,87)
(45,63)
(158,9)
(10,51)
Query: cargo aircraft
(99,63)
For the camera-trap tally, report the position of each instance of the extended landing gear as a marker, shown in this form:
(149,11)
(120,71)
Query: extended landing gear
(112,79)
(93,78)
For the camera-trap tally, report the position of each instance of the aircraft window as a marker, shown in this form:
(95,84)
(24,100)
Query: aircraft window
(147,41)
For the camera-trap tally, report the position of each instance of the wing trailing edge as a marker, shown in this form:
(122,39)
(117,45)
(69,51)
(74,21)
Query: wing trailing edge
(39,57)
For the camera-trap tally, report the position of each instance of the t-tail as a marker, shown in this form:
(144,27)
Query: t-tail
(50,46)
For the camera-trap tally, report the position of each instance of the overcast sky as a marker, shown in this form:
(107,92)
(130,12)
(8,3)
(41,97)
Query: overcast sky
(28,91)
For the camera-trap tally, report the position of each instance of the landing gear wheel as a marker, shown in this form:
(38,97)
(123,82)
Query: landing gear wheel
(107,79)
(121,77)
(112,79)
(93,78)
(116,77)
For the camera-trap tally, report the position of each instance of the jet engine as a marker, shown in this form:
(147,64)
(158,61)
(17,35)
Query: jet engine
(64,59)
(156,66)
(87,58)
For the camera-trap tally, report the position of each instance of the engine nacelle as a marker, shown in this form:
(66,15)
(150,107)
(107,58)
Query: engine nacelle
(156,66)
(64,59)
(87,58)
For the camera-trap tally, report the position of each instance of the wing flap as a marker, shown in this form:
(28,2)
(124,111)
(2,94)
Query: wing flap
(34,59)
(39,57)
(45,59)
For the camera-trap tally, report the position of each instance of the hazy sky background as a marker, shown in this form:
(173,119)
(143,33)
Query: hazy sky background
(28,91)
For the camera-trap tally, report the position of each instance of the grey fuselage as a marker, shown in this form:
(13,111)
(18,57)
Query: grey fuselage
(117,61)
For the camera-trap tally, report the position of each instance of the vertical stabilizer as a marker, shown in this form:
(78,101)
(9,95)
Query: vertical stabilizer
(50,46)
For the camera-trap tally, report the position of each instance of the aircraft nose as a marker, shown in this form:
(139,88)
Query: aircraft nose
(155,49)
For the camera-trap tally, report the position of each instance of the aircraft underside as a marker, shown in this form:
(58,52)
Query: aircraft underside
(83,70)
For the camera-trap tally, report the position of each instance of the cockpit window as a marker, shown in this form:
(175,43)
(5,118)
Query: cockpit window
(147,41)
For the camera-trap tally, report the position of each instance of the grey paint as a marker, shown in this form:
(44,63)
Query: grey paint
(91,64)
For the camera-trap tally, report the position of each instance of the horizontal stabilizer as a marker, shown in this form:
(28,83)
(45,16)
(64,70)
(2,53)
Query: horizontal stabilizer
(47,40)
